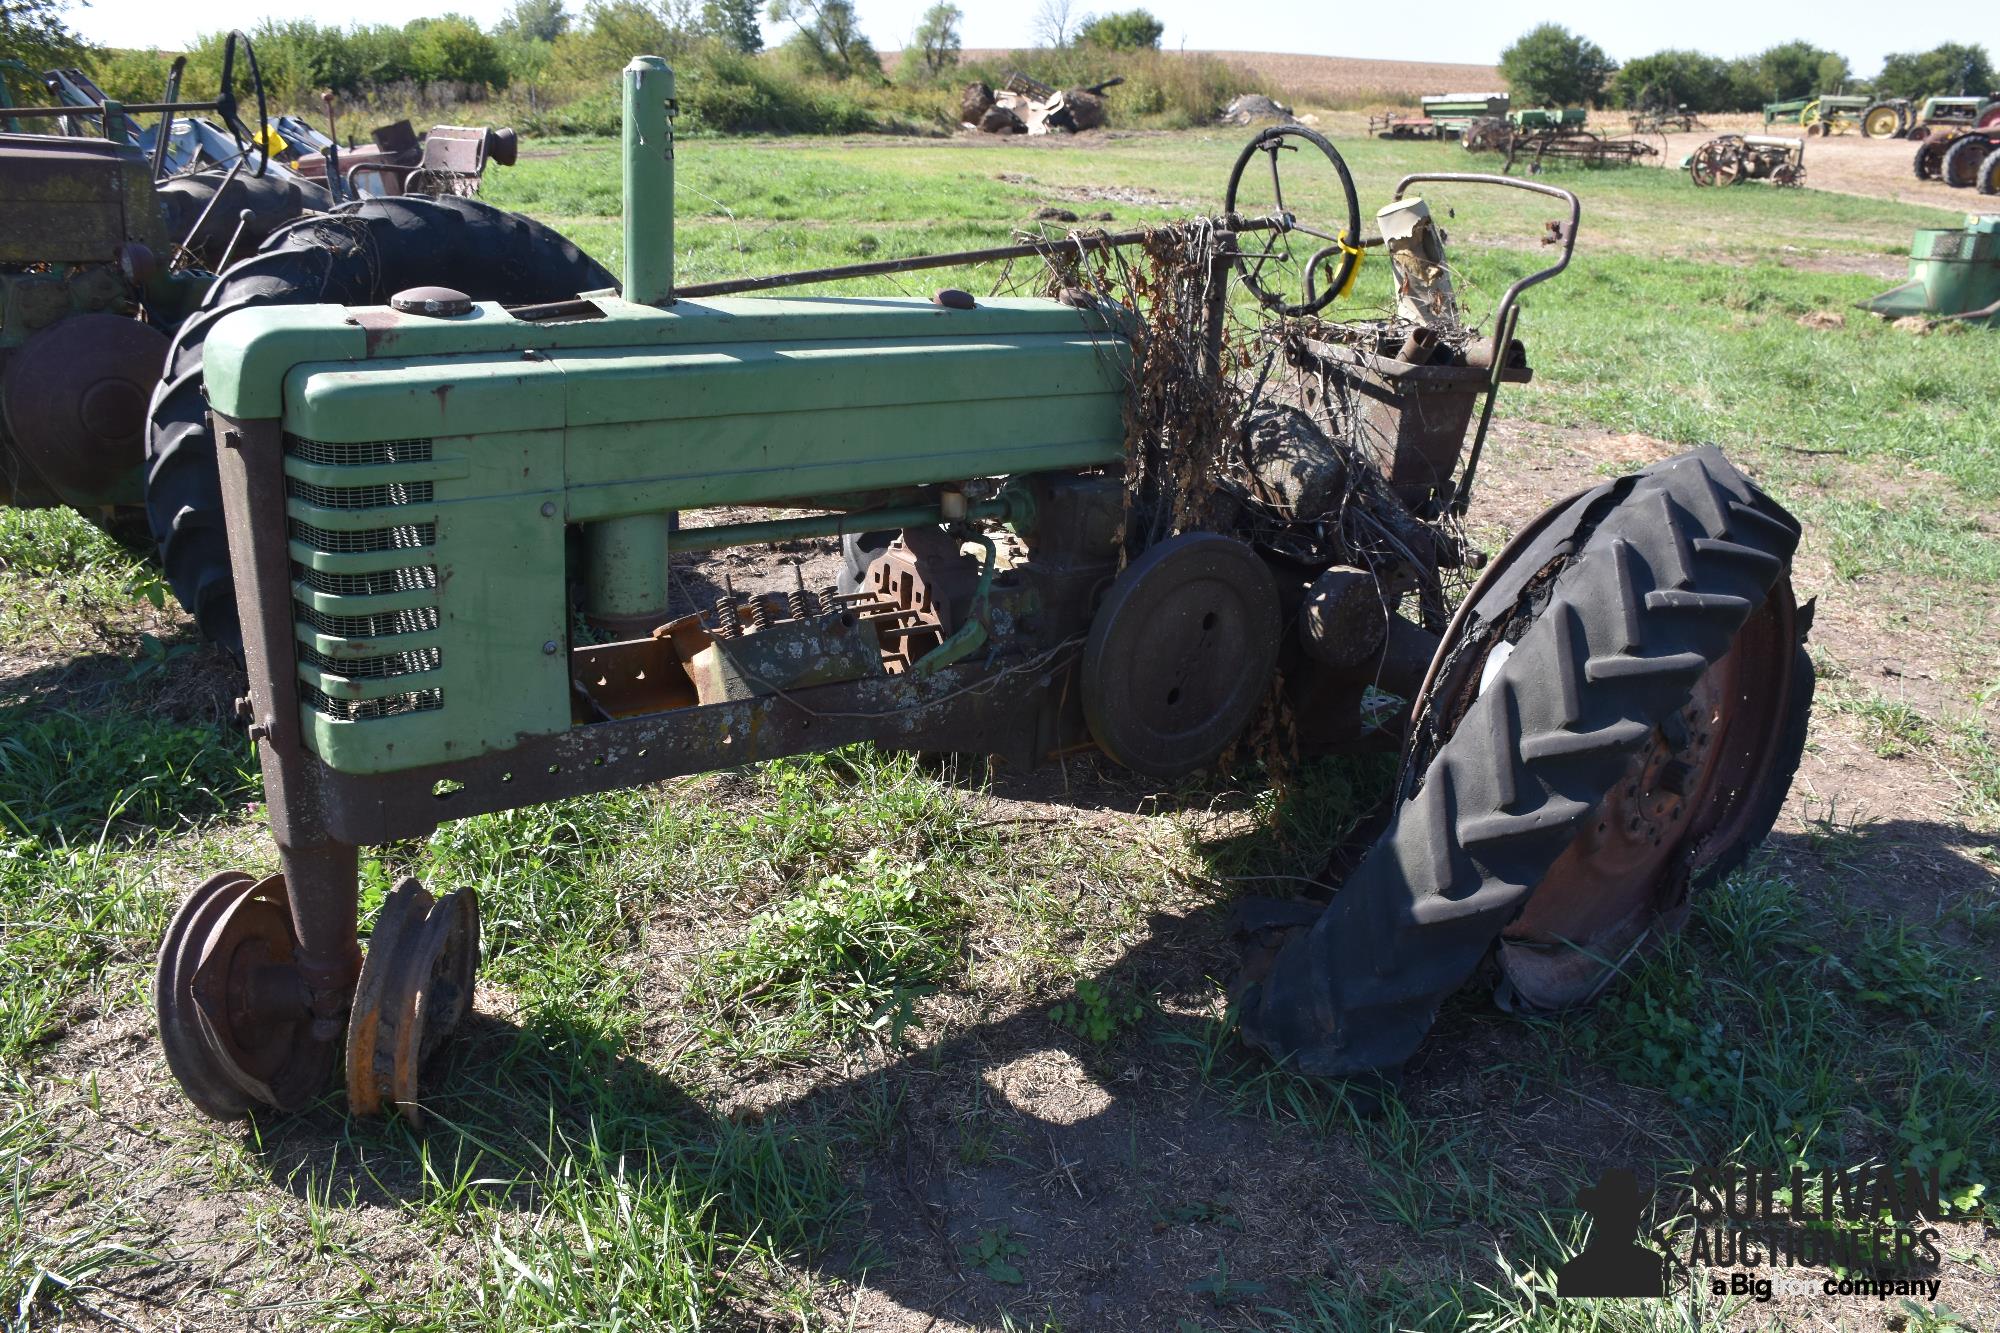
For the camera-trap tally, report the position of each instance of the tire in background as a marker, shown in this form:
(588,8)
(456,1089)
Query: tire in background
(359,254)
(1928,160)
(1959,167)
(1989,174)
(1881,121)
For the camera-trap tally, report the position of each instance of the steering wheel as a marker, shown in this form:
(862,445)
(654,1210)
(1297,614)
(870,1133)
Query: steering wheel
(226,105)
(1261,269)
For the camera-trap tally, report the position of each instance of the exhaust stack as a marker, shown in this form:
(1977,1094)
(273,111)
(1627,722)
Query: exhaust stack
(649,181)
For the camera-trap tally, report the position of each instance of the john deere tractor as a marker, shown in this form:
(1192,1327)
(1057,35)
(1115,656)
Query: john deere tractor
(458,527)
(109,284)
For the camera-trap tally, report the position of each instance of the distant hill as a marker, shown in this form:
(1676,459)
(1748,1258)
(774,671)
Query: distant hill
(1325,80)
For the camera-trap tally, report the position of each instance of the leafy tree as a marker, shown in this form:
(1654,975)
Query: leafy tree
(527,61)
(937,41)
(1555,67)
(1952,69)
(453,49)
(1798,69)
(1134,30)
(535,20)
(612,32)
(1670,79)
(733,23)
(34,33)
(828,39)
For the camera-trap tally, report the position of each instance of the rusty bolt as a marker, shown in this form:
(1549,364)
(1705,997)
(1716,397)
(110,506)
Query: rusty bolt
(548,509)
(258,731)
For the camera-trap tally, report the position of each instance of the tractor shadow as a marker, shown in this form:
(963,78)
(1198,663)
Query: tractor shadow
(1162,1172)
(1151,1172)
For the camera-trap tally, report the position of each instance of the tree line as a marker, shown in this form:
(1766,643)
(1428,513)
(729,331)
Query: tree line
(1550,65)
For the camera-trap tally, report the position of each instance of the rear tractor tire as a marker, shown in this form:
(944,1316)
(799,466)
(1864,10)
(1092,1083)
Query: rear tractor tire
(359,254)
(1881,121)
(1989,174)
(1959,167)
(1612,722)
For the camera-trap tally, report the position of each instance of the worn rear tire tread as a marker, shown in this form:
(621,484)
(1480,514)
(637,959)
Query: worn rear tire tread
(1674,561)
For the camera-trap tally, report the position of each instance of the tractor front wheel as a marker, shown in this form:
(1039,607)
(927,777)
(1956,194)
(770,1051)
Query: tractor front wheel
(359,254)
(1929,159)
(1612,721)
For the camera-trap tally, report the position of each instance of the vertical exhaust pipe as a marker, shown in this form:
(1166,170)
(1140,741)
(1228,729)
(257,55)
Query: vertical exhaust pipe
(649,181)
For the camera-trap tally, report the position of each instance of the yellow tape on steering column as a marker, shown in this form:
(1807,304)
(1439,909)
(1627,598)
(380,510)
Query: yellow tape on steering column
(1352,273)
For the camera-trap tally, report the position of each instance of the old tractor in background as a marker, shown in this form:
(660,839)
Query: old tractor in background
(1965,159)
(1730,158)
(457,528)
(111,239)
(1903,118)
(100,260)
(1954,276)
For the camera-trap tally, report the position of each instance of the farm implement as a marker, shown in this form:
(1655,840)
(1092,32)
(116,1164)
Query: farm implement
(1954,275)
(1445,116)
(1544,137)
(1120,517)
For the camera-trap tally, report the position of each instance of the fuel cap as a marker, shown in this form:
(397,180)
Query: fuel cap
(437,302)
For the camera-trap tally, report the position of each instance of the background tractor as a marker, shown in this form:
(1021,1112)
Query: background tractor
(108,283)
(1962,158)
(1096,518)
(1901,118)
(1730,158)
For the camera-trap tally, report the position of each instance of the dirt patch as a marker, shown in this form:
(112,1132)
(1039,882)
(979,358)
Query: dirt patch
(1137,196)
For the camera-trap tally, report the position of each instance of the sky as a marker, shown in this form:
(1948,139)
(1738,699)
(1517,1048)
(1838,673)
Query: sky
(1450,30)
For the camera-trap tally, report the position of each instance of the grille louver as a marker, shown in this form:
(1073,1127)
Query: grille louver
(349,649)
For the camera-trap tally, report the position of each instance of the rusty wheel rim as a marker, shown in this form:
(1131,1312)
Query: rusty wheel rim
(233,1022)
(1686,799)
(416,985)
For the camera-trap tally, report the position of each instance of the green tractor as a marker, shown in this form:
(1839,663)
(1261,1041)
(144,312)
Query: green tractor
(113,268)
(460,527)
(1903,118)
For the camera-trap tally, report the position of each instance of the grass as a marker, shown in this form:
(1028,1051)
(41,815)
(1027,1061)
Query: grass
(858,1036)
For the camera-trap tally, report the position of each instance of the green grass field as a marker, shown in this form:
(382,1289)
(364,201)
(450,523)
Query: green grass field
(859,1041)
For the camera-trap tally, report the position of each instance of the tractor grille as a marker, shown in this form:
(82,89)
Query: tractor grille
(373,668)
(336,604)
(417,620)
(367,585)
(361,543)
(359,497)
(323,454)
(367,710)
